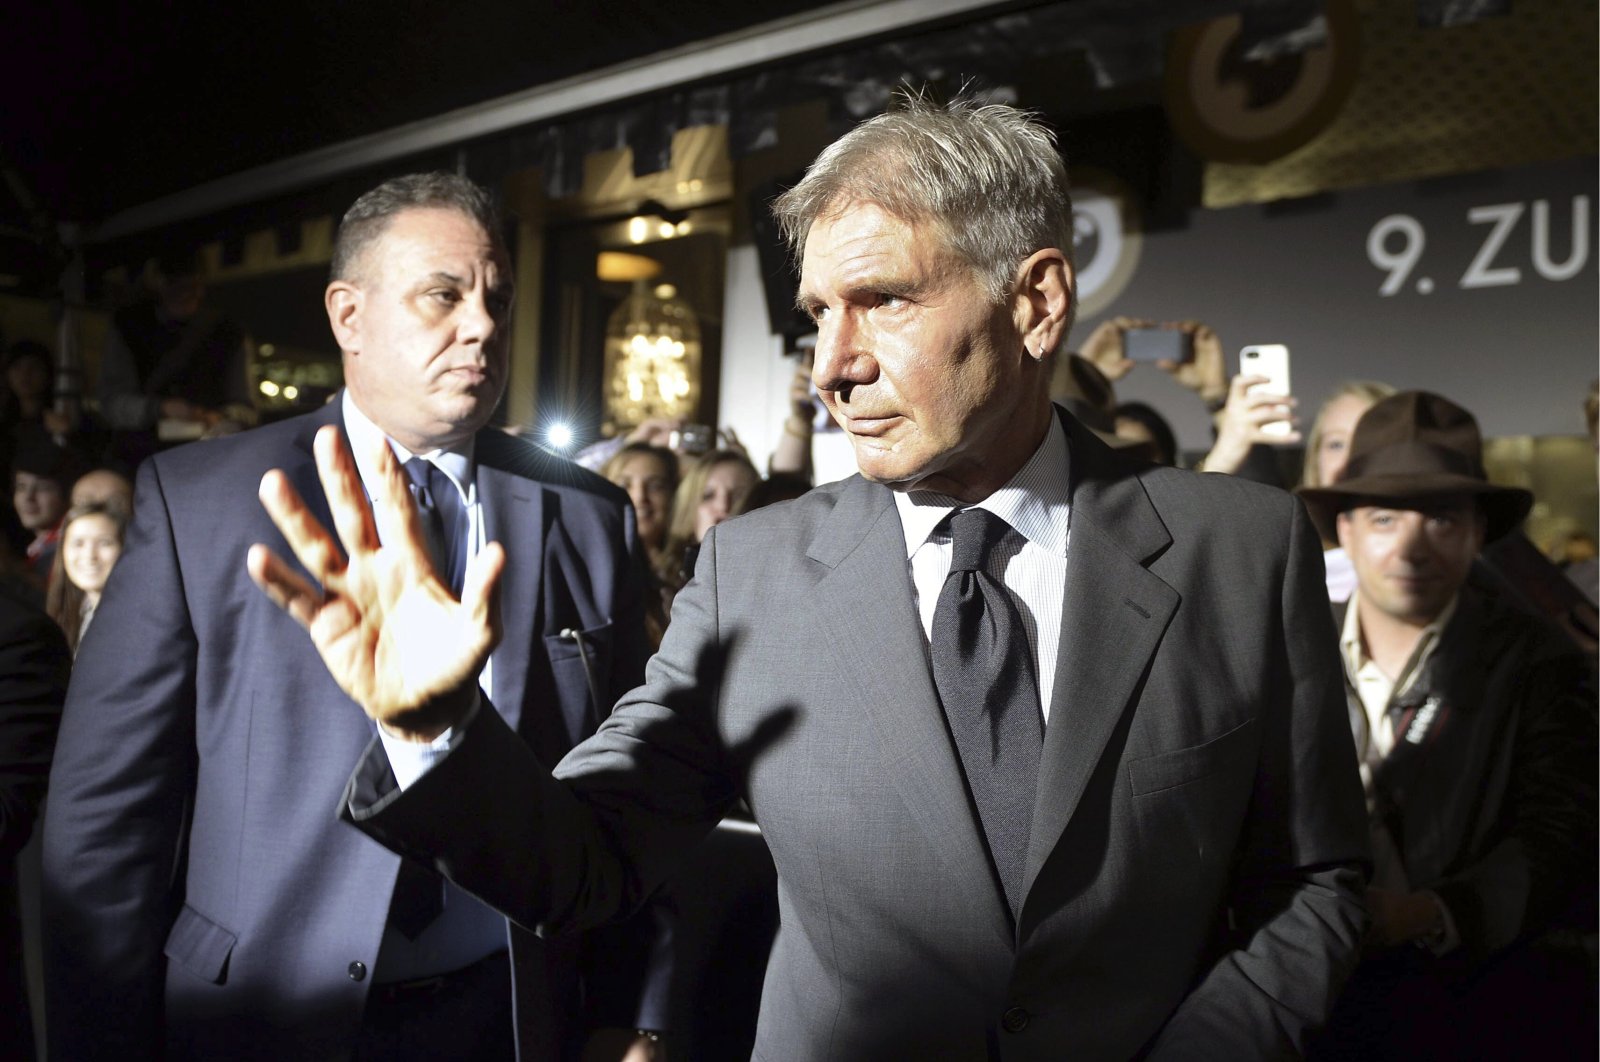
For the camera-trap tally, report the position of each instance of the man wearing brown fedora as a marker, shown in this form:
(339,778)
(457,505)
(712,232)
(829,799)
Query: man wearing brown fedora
(1474,725)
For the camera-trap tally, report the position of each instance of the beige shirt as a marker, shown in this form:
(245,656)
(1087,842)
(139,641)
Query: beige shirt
(1377,689)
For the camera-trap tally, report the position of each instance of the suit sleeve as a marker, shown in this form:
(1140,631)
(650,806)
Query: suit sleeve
(1296,912)
(119,788)
(628,967)
(34,665)
(574,848)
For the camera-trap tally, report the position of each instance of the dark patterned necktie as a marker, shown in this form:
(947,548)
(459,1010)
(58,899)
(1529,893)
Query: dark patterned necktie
(419,890)
(444,520)
(984,673)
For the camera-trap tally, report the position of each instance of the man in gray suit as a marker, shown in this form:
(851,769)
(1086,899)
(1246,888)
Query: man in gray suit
(203,901)
(1046,742)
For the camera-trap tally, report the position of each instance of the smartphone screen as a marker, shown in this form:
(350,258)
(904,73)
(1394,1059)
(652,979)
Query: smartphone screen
(1158,344)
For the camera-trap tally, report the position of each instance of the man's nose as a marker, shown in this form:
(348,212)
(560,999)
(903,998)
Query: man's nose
(477,322)
(842,359)
(1414,545)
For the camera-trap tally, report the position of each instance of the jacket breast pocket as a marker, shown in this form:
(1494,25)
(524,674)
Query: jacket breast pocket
(1189,806)
(580,664)
(200,946)
(1226,754)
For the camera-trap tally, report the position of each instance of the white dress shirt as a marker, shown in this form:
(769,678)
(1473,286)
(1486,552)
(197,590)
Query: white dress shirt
(1031,558)
(467,929)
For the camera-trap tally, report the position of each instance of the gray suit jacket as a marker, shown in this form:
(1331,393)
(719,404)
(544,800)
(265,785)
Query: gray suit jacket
(1195,870)
(200,891)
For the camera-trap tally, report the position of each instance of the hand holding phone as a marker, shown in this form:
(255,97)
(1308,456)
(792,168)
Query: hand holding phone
(1270,360)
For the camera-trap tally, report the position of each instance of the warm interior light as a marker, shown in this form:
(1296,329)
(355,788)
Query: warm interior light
(652,357)
(269,388)
(625,267)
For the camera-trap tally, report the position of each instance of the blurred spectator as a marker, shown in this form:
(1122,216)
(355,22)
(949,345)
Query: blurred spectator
(102,486)
(173,370)
(780,487)
(1140,423)
(41,474)
(712,490)
(792,456)
(649,474)
(1584,573)
(1079,385)
(34,665)
(26,416)
(1203,371)
(1328,446)
(91,543)
(1474,727)
(664,432)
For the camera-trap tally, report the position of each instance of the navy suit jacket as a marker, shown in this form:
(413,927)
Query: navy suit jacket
(200,891)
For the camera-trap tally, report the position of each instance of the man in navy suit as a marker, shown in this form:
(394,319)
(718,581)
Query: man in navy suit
(203,900)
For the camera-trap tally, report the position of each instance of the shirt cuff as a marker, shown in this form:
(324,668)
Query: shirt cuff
(410,760)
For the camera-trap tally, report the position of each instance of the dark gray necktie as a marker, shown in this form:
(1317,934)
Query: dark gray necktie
(444,520)
(419,890)
(984,673)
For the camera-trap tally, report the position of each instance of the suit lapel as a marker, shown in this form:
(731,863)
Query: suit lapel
(887,670)
(302,473)
(1114,614)
(513,514)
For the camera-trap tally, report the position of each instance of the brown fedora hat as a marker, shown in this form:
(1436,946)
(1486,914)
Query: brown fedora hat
(1409,447)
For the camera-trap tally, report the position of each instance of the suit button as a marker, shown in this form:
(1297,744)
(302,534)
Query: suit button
(357,971)
(1014,1020)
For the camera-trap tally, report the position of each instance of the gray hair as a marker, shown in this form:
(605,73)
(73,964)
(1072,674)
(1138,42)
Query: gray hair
(988,175)
(369,216)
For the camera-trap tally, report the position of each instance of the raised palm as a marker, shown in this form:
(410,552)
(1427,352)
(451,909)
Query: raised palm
(391,634)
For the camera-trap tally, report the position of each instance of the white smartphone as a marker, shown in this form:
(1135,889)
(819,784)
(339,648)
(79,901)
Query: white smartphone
(1272,361)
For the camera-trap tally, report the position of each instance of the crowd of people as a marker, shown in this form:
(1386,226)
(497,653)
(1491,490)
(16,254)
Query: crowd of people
(1058,750)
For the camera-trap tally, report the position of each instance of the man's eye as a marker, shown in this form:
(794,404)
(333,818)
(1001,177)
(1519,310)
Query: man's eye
(890,300)
(445,295)
(499,303)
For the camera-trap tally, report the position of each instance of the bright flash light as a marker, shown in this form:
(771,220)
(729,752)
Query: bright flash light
(291,392)
(269,388)
(560,436)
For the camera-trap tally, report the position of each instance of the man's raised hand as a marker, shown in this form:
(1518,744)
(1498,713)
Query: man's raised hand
(391,634)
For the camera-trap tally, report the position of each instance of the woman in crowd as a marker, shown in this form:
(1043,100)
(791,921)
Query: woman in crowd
(91,542)
(712,490)
(1328,446)
(649,474)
